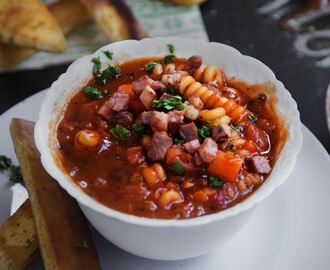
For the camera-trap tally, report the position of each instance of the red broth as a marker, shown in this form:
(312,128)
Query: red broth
(116,166)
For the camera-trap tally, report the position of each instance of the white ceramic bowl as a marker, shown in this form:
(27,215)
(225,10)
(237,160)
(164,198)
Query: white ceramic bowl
(155,238)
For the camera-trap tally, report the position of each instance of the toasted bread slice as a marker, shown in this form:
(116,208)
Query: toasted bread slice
(115,19)
(64,237)
(29,23)
(18,239)
(186,2)
(70,14)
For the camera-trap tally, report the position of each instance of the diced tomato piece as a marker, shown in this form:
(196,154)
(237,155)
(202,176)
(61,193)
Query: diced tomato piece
(172,154)
(127,88)
(135,155)
(258,136)
(225,166)
(178,154)
(250,146)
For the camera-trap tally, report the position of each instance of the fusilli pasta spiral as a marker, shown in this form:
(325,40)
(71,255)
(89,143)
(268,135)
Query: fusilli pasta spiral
(208,74)
(211,99)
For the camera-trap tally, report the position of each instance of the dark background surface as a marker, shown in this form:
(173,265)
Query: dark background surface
(236,23)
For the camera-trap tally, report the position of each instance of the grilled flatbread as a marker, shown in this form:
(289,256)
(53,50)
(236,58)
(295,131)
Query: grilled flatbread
(64,237)
(115,19)
(186,2)
(69,14)
(18,239)
(29,23)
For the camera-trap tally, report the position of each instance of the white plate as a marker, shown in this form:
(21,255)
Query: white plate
(327,105)
(289,230)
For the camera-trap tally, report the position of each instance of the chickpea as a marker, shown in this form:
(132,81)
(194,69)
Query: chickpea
(169,197)
(159,171)
(86,141)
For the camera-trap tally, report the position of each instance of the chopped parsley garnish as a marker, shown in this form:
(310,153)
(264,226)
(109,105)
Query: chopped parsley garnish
(93,93)
(169,104)
(80,245)
(169,58)
(170,91)
(171,48)
(178,141)
(204,132)
(120,133)
(252,118)
(178,168)
(108,54)
(111,72)
(5,163)
(150,67)
(15,174)
(234,127)
(215,182)
(140,129)
(101,77)
(96,66)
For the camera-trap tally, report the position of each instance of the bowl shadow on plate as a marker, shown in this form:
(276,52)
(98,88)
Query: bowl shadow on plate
(259,243)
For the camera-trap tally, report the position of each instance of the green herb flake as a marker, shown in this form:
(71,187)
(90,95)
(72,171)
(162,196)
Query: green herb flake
(150,67)
(15,174)
(252,118)
(204,132)
(215,182)
(169,58)
(111,72)
(140,129)
(108,54)
(93,93)
(178,168)
(169,104)
(120,133)
(81,245)
(178,141)
(5,163)
(171,48)
(97,65)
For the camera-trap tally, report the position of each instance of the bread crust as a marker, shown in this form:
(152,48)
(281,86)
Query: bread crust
(64,237)
(115,19)
(11,55)
(29,23)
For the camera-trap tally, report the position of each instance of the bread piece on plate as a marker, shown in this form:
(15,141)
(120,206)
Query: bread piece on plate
(64,236)
(69,14)
(185,2)
(18,240)
(29,23)
(115,19)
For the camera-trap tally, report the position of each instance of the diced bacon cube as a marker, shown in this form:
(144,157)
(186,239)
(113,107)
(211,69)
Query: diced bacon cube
(159,121)
(119,101)
(208,150)
(175,117)
(147,96)
(192,146)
